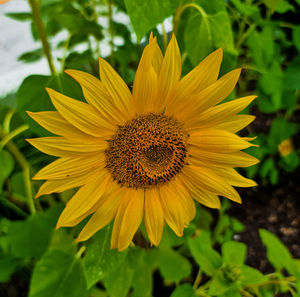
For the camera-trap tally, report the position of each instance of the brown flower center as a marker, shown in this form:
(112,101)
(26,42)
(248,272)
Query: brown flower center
(147,151)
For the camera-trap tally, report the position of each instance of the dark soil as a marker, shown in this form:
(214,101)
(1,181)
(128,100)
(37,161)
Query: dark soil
(276,209)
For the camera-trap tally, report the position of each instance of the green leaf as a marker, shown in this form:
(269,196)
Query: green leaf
(30,238)
(58,274)
(207,258)
(173,266)
(218,286)
(184,290)
(8,265)
(277,253)
(271,4)
(234,252)
(205,32)
(31,56)
(19,16)
(151,12)
(251,276)
(292,74)
(100,260)
(296,37)
(244,8)
(6,166)
(17,184)
(32,96)
(123,274)
(281,129)
(143,283)
(197,38)
(284,6)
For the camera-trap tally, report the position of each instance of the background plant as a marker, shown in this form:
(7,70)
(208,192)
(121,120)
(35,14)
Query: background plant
(263,37)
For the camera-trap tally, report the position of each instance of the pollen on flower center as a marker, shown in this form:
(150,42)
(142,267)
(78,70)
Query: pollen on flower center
(148,150)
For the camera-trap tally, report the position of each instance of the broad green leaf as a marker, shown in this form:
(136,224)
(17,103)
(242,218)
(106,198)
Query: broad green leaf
(123,274)
(234,252)
(143,283)
(292,74)
(218,286)
(17,184)
(173,266)
(8,265)
(100,260)
(207,258)
(6,166)
(290,162)
(251,276)
(296,37)
(271,4)
(267,167)
(284,6)
(198,38)
(277,253)
(205,32)
(58,274)
(184,290)
(145,15)
(30,238)
(245,8)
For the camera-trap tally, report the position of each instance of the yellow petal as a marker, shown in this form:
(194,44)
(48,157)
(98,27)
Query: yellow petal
(206,179)
(205,74)
(214,140)
(187,202)
(63,147)
(105,213)
(58,186)
(206,198)
(220,113)
(116,87)
(157,56)
(234,178)
(85,198)
(145,82)
(154,217)
(128,219)
(69,167)
(56,124)
(235,123)
(170,71)
(81,115)
(95,94)
(172,207)
(235,159)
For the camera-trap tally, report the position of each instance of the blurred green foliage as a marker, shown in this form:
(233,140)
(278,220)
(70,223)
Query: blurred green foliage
(263,37)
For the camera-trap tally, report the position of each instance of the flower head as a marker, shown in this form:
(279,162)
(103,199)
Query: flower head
(146,154)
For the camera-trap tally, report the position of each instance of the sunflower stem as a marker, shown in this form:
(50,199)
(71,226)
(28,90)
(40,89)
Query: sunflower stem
(36,12)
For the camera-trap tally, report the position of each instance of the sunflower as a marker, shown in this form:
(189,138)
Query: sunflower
(147,154)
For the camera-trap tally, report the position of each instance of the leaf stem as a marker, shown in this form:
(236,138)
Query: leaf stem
(111,31)
(10,136)
(180,10)
(13,207)
(198,279)
(36,12)
(26,171)
(164,34)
